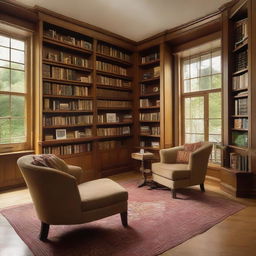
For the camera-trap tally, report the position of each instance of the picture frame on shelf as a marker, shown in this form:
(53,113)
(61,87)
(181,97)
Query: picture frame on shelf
(61,134)
(111,117)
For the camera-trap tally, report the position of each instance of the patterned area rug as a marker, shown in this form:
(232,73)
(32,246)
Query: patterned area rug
(156,223)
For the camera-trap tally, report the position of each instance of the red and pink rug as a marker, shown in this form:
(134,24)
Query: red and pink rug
(156,223)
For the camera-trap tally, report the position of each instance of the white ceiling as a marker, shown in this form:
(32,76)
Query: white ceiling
(133,19)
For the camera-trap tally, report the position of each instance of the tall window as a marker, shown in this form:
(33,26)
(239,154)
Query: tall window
(201,98)
(13,94)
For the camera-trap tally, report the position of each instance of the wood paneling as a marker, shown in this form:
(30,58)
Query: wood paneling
(10,174)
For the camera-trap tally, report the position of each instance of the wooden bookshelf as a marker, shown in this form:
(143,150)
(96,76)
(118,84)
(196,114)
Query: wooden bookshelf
(238,110)
(69,61)
(148,97)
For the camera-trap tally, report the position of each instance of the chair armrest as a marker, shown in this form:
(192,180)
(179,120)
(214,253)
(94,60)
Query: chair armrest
(198,162)
(169,155)
(76,172)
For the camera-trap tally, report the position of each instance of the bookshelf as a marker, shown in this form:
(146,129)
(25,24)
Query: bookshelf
(237,175)
(85,98)
(149,99)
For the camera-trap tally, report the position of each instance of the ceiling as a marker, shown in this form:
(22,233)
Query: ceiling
(133,19)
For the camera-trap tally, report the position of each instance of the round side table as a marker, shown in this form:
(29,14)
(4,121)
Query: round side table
(147,156)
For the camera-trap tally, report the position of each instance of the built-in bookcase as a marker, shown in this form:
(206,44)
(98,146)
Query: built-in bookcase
(239,98)
(149,99)
(238,157)
(85,99)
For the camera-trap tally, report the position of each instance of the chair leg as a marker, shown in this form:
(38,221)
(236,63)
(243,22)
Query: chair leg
(44,231)
(202,187)
(173,193)
(124,218)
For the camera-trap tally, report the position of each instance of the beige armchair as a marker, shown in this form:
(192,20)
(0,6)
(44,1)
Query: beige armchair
(58,199)
(179,175)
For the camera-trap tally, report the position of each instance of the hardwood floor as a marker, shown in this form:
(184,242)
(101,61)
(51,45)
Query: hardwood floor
(235,236)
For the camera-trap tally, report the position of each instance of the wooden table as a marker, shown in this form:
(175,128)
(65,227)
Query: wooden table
(146,156)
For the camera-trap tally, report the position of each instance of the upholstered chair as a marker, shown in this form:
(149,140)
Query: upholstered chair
(174,175)
(59,200)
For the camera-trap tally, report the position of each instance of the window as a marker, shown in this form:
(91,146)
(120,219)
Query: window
(14,97)
(201,98)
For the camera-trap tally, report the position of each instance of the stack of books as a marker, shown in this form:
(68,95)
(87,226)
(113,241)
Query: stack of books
(238,162)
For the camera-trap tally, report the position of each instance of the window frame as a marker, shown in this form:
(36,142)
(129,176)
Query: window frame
(27,37)
(202,93)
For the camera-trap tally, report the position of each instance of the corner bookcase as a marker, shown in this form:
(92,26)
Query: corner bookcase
(149,99)
(239,120)
(85,98)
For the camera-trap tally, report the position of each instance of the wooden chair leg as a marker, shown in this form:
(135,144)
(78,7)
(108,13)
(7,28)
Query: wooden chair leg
(202,187)
(124,218)
(44,231)
(173,193)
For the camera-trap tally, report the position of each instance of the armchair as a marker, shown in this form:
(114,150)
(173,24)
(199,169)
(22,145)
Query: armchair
(179,175)
(59,200)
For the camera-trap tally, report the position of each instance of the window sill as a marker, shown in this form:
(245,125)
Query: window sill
(214,166)
(17,153)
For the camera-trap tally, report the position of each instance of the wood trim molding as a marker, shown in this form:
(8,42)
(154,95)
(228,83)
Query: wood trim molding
(83,24)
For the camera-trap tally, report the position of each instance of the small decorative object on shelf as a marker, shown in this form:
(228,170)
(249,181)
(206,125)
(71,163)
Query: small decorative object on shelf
(61,134)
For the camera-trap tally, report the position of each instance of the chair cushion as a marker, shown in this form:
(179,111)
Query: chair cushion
(183,156)
(51,161)
(171,171)
(192,146)
(101,193)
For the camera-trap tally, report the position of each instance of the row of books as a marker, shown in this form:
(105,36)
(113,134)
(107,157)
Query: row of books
(64,74)
(114,117)
(240,82)
(238,162)
(148,130)
(125,130)
(112,81)
(113,104)
(241,31)
(240,139)
(67,59)
(67,120)
(52,33)
(241,106)
(241,60)
(68,149)
(87,132)
(64,90)
(107,67)
(150,57)
(149,103)
(151,88)
(153,144)
(241,123)
(113,93)
(112,52)
(50,104)
(152,73)
(155,116)
(109,144)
